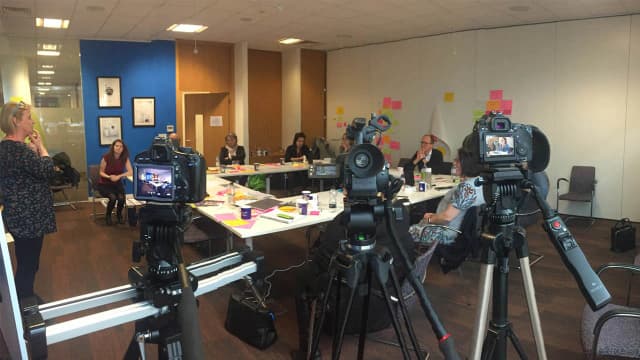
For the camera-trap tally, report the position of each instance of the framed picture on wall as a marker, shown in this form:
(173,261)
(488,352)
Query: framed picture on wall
(109,92)
(144,111)
(110,128)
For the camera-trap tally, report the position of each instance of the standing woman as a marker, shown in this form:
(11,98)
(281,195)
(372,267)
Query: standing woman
(231,151)
(114,166)
(298,150)
(25,171)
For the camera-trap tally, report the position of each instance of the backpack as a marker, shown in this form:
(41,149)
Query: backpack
(65,173)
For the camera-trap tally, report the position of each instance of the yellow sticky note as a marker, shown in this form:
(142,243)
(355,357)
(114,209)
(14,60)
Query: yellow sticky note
(235,222)
(340,110)
(494,105)
(449,96)
(386,139)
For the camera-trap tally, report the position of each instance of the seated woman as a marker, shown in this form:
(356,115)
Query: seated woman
(232,153)
(453,206)
(298,151)
(114,166)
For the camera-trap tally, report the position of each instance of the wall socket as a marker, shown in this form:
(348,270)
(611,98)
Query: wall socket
(170,128)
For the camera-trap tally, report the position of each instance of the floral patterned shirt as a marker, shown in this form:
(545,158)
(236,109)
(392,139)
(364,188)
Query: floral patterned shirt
(24,184)
(462,197)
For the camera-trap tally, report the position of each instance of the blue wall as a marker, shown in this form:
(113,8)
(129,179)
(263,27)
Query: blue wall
(145,70)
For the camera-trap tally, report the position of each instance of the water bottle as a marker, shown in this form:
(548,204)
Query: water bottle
(217,162)
(454,174)
(427,176)
(231,193)
(333,199)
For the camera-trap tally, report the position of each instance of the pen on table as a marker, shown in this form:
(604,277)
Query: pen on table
(274,219)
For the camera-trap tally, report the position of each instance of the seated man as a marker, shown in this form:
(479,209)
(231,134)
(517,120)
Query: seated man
(312,279)
(453,206)
(426,156)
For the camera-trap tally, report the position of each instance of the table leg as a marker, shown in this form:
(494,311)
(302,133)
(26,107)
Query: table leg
(229,241)
(249,242)
(268,184)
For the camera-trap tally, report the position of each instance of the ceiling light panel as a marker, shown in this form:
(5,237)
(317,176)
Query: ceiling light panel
(52,23)
(187,28)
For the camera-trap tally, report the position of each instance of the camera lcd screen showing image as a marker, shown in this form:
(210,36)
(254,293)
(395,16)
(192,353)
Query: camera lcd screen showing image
(154,182)
(499,145)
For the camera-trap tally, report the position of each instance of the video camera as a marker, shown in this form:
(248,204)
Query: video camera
(365,173)
(497,143)
(169,174)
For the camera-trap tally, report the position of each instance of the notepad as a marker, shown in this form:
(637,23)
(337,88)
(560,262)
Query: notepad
(265,204)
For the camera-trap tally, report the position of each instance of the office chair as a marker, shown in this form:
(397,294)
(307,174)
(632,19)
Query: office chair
(60,189)
(614,330)
(582,186)
(403,162)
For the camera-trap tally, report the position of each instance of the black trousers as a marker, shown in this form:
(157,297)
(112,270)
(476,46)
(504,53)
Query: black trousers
(28,261)
(115,193)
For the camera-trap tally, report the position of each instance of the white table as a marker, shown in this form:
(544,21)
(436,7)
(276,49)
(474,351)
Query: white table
(263,169)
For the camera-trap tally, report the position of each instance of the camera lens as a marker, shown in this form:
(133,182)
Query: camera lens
(362,160)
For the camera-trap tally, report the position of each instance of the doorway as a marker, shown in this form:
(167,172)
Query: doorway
(206,122)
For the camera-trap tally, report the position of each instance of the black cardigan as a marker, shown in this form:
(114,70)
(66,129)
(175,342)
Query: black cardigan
(224,156)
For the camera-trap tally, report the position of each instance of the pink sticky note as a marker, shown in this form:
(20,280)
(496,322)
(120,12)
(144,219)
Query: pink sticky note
(507,106)
(386,103)
(314,212)
(226,216)
(495,95)
(396,105)
(395,145)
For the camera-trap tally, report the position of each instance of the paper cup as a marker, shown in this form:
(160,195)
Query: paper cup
(303,206)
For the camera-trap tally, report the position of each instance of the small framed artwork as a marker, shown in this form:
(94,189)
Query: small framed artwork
(109,92)
(144,111)
(110,128)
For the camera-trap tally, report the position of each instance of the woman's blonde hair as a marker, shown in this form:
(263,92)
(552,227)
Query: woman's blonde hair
(9,111)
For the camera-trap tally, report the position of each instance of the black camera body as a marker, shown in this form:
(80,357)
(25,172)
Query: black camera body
(499,143)
(366,172)
(169,174)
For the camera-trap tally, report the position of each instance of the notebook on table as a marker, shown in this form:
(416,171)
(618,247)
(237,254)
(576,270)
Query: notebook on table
(265,204)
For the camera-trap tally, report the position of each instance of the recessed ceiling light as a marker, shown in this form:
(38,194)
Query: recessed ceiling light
(48,53)
(43,89)
(519,8)
(188,28)
(45,46)
(44,83)
(290,41)
(46,72)
(47,66)
(52,23)
(45,77)
(41,93)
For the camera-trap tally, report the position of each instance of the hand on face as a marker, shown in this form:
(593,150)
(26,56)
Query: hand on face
(35,139)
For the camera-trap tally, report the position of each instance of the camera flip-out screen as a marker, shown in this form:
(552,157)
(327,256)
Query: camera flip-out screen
(154,182)
(499,145)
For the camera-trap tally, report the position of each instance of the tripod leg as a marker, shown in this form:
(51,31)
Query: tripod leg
(530,293)
(516,343)
(405,315)
(317,330)
(338,337)
(365,316)
(489,345)
(336,312)
(482,309)
(387,299)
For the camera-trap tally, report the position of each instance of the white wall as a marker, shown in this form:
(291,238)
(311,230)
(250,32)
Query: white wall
(579,81)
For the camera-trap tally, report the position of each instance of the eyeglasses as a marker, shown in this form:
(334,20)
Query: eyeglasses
(19,106)
(425,143)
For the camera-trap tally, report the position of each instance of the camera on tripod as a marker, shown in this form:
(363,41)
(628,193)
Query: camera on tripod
(166,173)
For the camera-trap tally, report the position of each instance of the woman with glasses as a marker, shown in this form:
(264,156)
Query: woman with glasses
(114,166)
(231,152)
(25,172)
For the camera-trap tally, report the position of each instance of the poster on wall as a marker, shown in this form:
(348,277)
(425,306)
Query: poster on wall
(110,128)
(144,111)
(109,92)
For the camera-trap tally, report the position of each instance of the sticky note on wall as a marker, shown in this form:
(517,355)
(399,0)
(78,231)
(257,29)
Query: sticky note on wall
(495,95)
(449,97)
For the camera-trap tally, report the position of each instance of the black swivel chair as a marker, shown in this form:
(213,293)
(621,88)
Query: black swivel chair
(582,188)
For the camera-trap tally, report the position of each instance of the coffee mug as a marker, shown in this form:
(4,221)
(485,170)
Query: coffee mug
(303,205)
(245,212)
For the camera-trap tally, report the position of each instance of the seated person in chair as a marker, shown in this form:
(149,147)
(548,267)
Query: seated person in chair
(453,206)
(114,166)
(425,156)
(312,278)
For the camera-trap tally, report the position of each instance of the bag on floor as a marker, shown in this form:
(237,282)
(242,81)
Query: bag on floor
(623,236)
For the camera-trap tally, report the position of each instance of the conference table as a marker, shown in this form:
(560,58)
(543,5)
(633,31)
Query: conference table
(217,208)
(227,171)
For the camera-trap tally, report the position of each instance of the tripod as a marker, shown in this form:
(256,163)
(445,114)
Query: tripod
(360,264)
(495,269)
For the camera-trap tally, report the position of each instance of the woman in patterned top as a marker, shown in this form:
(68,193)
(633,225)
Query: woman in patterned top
(114,166)
(25,171)
(453,206)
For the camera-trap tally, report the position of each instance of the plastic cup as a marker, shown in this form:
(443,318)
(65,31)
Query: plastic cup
(281,161)
(245,212)
(256,166)
(302,205)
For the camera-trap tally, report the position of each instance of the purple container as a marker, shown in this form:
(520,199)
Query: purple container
(422,186)
(245,212)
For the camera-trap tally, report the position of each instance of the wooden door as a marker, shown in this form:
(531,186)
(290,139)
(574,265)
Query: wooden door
(207,105)
(313,66)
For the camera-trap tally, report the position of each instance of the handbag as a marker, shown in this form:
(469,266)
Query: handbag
(250,322)
(623,236)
